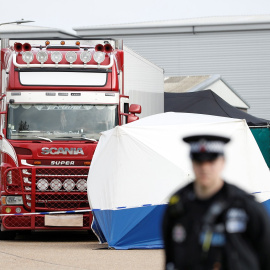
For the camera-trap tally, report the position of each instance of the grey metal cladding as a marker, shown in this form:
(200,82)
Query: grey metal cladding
(242,58)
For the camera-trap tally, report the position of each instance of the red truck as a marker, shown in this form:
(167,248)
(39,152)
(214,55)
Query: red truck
(56,98)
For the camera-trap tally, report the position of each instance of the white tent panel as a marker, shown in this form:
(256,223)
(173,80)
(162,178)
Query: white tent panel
(145,161)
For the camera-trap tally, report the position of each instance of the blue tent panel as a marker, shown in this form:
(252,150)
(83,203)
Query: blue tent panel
(97,230)
(132,228)
(267,206)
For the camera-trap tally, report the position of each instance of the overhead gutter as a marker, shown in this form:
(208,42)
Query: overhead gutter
(178,27)
(35,33)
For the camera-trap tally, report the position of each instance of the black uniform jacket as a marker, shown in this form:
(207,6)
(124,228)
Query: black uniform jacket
(227,231)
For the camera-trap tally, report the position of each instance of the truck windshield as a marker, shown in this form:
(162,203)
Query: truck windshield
(59,122)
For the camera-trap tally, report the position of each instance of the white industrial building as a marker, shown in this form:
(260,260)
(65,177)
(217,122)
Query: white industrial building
(22,31)
(236,47)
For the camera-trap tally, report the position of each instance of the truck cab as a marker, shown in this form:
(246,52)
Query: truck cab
(57,96)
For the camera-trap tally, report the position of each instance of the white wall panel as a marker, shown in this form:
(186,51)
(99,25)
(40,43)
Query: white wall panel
(144,83)
(229,96)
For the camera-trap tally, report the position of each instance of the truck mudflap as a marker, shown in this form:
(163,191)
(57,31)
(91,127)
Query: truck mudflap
(46,189)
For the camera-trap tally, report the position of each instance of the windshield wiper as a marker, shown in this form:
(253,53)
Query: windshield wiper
(66,137)
(82,137)
(88,139)
(44,138)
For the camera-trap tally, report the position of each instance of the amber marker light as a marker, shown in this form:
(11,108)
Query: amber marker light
(87,163)
(62,42)
(3,200)
(37,162)
(47,43)
(8,210)
(78,43)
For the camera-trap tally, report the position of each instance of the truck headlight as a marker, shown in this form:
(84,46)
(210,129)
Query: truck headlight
(9,177)
(25,171)
(99,57)
(42,56)
(28,57)
(71,57)
(56,57)
(85,57)
(12,200)
(69,184)
(42,184)
(56,185)
(81,185)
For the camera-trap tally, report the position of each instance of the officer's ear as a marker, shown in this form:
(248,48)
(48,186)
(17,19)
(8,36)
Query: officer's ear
(223,158)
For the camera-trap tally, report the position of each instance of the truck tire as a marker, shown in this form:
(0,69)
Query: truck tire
(7,235)
(91,235)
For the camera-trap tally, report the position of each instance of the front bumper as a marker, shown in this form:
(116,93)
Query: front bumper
(37,222)
(35,200)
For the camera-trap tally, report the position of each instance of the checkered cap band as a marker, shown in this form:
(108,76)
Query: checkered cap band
(204,146)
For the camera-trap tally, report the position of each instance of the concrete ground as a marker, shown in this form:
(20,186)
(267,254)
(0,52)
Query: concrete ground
(66,250)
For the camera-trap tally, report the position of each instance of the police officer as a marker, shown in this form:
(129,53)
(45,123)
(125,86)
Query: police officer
(211,224)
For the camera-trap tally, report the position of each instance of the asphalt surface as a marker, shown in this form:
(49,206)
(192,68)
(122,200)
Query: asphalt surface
(72,250)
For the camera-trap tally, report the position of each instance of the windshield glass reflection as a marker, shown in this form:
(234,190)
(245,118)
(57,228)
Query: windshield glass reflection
(60,122)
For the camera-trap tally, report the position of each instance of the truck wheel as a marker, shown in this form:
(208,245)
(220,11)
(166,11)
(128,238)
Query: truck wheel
(7,235)
(91,235)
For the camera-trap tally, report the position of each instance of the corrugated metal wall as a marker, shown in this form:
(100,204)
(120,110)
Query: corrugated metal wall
(242,58)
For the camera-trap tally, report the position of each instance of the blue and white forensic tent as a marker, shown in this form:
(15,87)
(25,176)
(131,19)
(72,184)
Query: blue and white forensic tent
(136,167)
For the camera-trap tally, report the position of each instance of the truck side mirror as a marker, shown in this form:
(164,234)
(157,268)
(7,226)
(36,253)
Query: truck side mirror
(135,108)
(132,118)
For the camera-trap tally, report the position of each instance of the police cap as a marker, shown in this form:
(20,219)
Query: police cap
(206,147)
